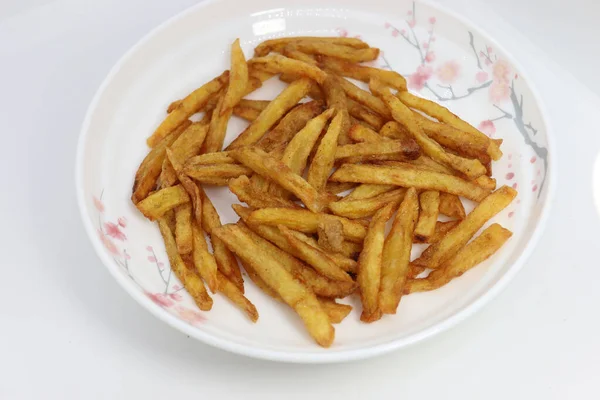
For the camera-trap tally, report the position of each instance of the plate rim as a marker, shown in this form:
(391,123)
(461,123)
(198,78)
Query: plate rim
(327,356)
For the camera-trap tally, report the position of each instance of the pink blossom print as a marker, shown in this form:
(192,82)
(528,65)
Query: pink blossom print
(98,204)
(432,20)
(499,92)
(191,316)
(108,244)
(448,72)
(412,23)
(161,299)
(501,71)
(487,127)
(113,231)
(430,57)
(418,79)
(342,32)
(481,76)
(122,222)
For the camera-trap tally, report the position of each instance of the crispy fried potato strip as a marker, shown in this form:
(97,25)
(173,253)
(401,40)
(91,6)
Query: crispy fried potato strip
(268,46)
(339,51)
(233,293)
(362,73)
(362,208)
(451,206)
(183,228)
(205,262)
(238,78)
(159,202)
(429,201)
(322,163)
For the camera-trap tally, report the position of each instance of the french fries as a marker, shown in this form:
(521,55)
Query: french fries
(396,253)
(369,265)
(479,250)
(294,293)
(190,105)
(321,179)
(274,111)
(429,202)
(409,177)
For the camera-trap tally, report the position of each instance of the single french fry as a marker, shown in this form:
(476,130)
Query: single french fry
(441,228)
(339,187)
(362,73)
(474,253)
(290,124)
(280,64)
(403,115)
(246,193)
(444,115)
(233,293)
(427,163)
(429,202)
(339,51)
(257,105)
(365,98)
(322,163)
(183,228)
(159,202)
(336,99)
(265,165)
(259,74)
(291,51)
(367,191)
(238,78)
(206,173)
(362,208)
(226,261)
(278,246)
(409,177)
(451,206)
(294,293)
(189,185)
(205,262)
(369,150)
(218,126)
(313,256)
(360,134)
(396,253)
(189,143)
(369,265)
(486,182)
(368,137)
(336,311)
(435,255)
(306,221)
(190,281)
(151,167)
(247,113)
(190,105)
(363,114)
(331,235)
(221,157)
(279,44)
(393,130)
(289,97)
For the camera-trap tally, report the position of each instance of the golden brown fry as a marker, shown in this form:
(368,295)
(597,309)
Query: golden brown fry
(371,150)
(183,228)
(246,193)
(190,105)
(190,281)
(190,186)
(305,221)
(336,311)
(151,167)
(205,173)
(331,235)
(429,202)
(322,163)
(168,176)
(221,157)
(159,202)
(362,73)
(267,46)
(361,134)
(173,105)
(369,265)
(238,79)
(441,228)
(365,98)
(451,206)
(394,130)
(226,261)
(318,283)
(474,253)
(247,113)
(274,111)
(289,125)
(259,74)
(233,293)
(464,144)
(366,207)
(205,262)
(265,165)
(368,190)
(403,115)
(294,293)
(339,187)
(218,127)
(442,114)
(339,51)
(291,51)
(363,114)
(435,255)
(409,177)
(280,64)
(486,182)
(313,256)
(258,105)
(215,181)
(396,253)
(336,99)
(427,163)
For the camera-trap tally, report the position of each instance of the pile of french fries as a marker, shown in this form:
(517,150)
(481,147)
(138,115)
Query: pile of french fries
(401,158)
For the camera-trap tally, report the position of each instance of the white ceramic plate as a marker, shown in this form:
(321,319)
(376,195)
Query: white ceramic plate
(444,58)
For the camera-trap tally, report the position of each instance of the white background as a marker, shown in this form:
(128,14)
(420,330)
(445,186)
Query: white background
(67,331)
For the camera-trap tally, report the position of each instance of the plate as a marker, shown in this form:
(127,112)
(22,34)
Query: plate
(444,58)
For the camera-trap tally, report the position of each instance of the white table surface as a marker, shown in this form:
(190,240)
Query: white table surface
(68,331)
